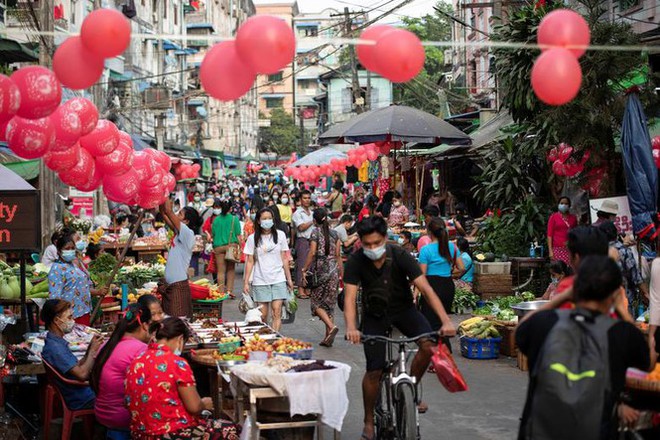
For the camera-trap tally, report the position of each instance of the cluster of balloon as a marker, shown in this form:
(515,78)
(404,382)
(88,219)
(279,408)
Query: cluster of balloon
(398,54)
(655,143)
(186,171)
(564,36)
(264,44)
(78,62)
(358,156)
(594,180)
(564,163)
(254,168)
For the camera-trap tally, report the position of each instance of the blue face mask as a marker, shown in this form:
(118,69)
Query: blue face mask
(69,255)
(563,208)
(81,245)
(267,224)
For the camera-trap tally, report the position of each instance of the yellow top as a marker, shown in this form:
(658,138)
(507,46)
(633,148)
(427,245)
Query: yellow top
(285,212)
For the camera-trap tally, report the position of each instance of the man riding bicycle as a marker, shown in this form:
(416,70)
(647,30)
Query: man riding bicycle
(385,273)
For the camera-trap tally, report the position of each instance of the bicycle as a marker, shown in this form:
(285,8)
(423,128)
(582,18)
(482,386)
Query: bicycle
(396,416)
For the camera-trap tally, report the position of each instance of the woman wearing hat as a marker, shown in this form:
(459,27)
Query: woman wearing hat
(559,224)
(608,211)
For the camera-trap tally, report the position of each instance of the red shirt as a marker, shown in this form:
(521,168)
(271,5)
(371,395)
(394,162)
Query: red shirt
(558,227)
(152,394)
(208,223)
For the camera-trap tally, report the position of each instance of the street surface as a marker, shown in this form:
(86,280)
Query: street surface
(489,410)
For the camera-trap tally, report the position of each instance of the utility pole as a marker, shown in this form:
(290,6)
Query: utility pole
(358,100)
(46,175)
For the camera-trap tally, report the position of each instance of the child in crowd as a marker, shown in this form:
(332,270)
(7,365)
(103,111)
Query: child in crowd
(405,241)
(558,270)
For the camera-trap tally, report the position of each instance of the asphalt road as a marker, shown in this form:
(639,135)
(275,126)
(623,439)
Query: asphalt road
(489,410)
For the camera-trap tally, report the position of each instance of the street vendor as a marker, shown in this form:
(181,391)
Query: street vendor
(57,316)
(399,214)
(559,224)
(69,280)
(176,293)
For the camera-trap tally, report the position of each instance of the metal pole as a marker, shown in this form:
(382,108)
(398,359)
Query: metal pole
(358,101)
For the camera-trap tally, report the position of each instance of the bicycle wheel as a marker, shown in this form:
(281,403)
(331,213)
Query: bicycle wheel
(406,412)
(382,415)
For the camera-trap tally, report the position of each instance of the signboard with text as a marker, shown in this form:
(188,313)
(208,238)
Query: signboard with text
(20,223)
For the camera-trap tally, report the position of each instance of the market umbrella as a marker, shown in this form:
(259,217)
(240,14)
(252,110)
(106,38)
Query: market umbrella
(321,156)
(397,123)
(641,172)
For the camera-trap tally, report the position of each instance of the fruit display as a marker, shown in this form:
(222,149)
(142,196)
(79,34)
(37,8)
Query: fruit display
(478,328)
(655,374)
(204,288)
(255,344)
(290,345)
(229,339)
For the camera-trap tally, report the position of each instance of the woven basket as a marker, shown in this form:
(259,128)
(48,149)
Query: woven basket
(643,384)
(204,357)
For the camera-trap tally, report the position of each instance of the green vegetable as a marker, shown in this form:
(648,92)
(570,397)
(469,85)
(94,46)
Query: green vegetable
(39,295)
(464,300)
(486,310)
(292,306)
(101,268)
(5,290)
(506,315)
(528,296)
(39,288)
(15,287)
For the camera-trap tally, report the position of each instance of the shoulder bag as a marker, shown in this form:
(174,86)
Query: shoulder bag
(233,253)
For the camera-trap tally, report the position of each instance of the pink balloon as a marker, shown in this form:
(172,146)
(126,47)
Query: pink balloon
(75,66)
(117,162)
(372,155)
(40,91)
(125,138)
(81,173)
(64,160)
(169,182)
(196,167)
(556,77)
(163,160)
(655,143)
(122,188)
(144,165)
(67,128)
(10,98)
(367,52)
(30,138)
(223,74)
(564,28)
(106,32)
(3,130)
(94,181)
(266,43)
(87,112)
(102,140)
(155,180)
(400,55)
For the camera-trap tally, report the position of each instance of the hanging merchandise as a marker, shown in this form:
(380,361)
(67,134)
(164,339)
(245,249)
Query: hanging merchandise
(363,173)
(374,171)
(351,175)
(405,164)
(435,179)
(385,166)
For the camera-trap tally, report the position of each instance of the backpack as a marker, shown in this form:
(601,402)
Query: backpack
(570,383)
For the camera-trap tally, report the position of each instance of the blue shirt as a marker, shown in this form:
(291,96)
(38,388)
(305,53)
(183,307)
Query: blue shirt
(178,258)
(70,283)
(468,276)
(436,264)
(57,353)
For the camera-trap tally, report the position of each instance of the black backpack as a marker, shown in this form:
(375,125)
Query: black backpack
(571,379)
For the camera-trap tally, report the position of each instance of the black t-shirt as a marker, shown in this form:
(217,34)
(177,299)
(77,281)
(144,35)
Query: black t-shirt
(404,270)
(627,348)
(466,222)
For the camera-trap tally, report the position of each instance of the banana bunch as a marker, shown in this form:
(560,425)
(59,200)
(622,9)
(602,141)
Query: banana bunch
(95,237)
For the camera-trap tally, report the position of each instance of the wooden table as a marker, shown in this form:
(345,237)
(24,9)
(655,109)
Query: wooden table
(518,263)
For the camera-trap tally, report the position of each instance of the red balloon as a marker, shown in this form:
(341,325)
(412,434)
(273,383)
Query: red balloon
(196,167)
(106,32)
(40,90)
(3,130)
(224,75)
(556,77)
(150,197)
(400,55)
(564,28)
(163,160)
(266,43)
(93,183)
(655,143)
(87,112)
(82,172)
(372,155)
(367,52)
(155,180)
(10,98)
(102,140)
(75,66)
(122,188)
(67,128)
(169,182)
(126,138)
(144,165)
(64,160)
(30,138)
(656,158)
(117,162)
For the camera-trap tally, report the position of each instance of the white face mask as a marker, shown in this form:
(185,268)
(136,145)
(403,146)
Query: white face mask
(374,254)
(285,201)
(217,211)
(267,224)
(400,240)
(67,326)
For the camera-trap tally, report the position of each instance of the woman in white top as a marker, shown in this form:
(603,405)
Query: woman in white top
(265,270)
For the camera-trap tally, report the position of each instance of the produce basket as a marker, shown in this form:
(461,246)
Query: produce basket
(487,348)
(508,346)
(204,356)
(228,347)
(492,285)
(306,353)
(199,292)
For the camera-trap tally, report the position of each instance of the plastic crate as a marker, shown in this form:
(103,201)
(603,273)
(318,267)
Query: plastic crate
(305,353)
(228,347)
(487,348)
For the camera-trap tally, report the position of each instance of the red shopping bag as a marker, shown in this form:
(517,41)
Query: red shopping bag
(446,369)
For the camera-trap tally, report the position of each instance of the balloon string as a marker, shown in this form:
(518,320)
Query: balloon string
(354,41)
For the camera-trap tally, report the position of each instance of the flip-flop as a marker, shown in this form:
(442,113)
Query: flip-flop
(422,407)
(365,437)
(330,339)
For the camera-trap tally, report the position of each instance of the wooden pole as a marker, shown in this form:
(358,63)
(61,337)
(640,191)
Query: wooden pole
(120,261)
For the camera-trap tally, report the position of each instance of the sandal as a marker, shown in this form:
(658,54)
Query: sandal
(330,339)
(422,407)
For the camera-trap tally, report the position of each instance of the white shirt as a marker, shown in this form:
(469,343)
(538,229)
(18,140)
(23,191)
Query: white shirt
(268,264)
(50,256)
(300,217)
(654,293)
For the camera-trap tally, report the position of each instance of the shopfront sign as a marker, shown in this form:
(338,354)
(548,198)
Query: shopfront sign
(20,222)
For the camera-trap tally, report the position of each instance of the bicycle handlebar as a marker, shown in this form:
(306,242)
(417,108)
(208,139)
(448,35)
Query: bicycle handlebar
(367,338)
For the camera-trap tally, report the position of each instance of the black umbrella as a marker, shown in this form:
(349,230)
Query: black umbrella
(397,123)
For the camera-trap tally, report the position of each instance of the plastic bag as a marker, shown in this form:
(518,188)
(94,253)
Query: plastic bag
(446,370)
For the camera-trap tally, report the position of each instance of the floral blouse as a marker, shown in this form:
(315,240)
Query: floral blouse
(398,216)
(152,394)
(70,283)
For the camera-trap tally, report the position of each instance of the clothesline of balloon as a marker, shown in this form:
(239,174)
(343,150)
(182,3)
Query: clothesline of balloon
(319,41)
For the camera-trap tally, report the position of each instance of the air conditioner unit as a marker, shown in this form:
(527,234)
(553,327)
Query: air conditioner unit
(157,97)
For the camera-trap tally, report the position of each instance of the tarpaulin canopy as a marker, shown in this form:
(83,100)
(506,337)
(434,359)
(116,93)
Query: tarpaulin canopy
(641,172)
(321,156)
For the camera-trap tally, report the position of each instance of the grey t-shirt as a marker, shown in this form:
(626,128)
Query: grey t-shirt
(178,258)
(341,231)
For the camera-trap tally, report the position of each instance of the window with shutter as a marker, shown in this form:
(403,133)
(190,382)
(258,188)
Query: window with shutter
(374,98)
(346,100)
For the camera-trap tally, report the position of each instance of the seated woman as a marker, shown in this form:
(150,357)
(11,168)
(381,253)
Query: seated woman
(57,315)
(161,394)
(127,342)
(154,306)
